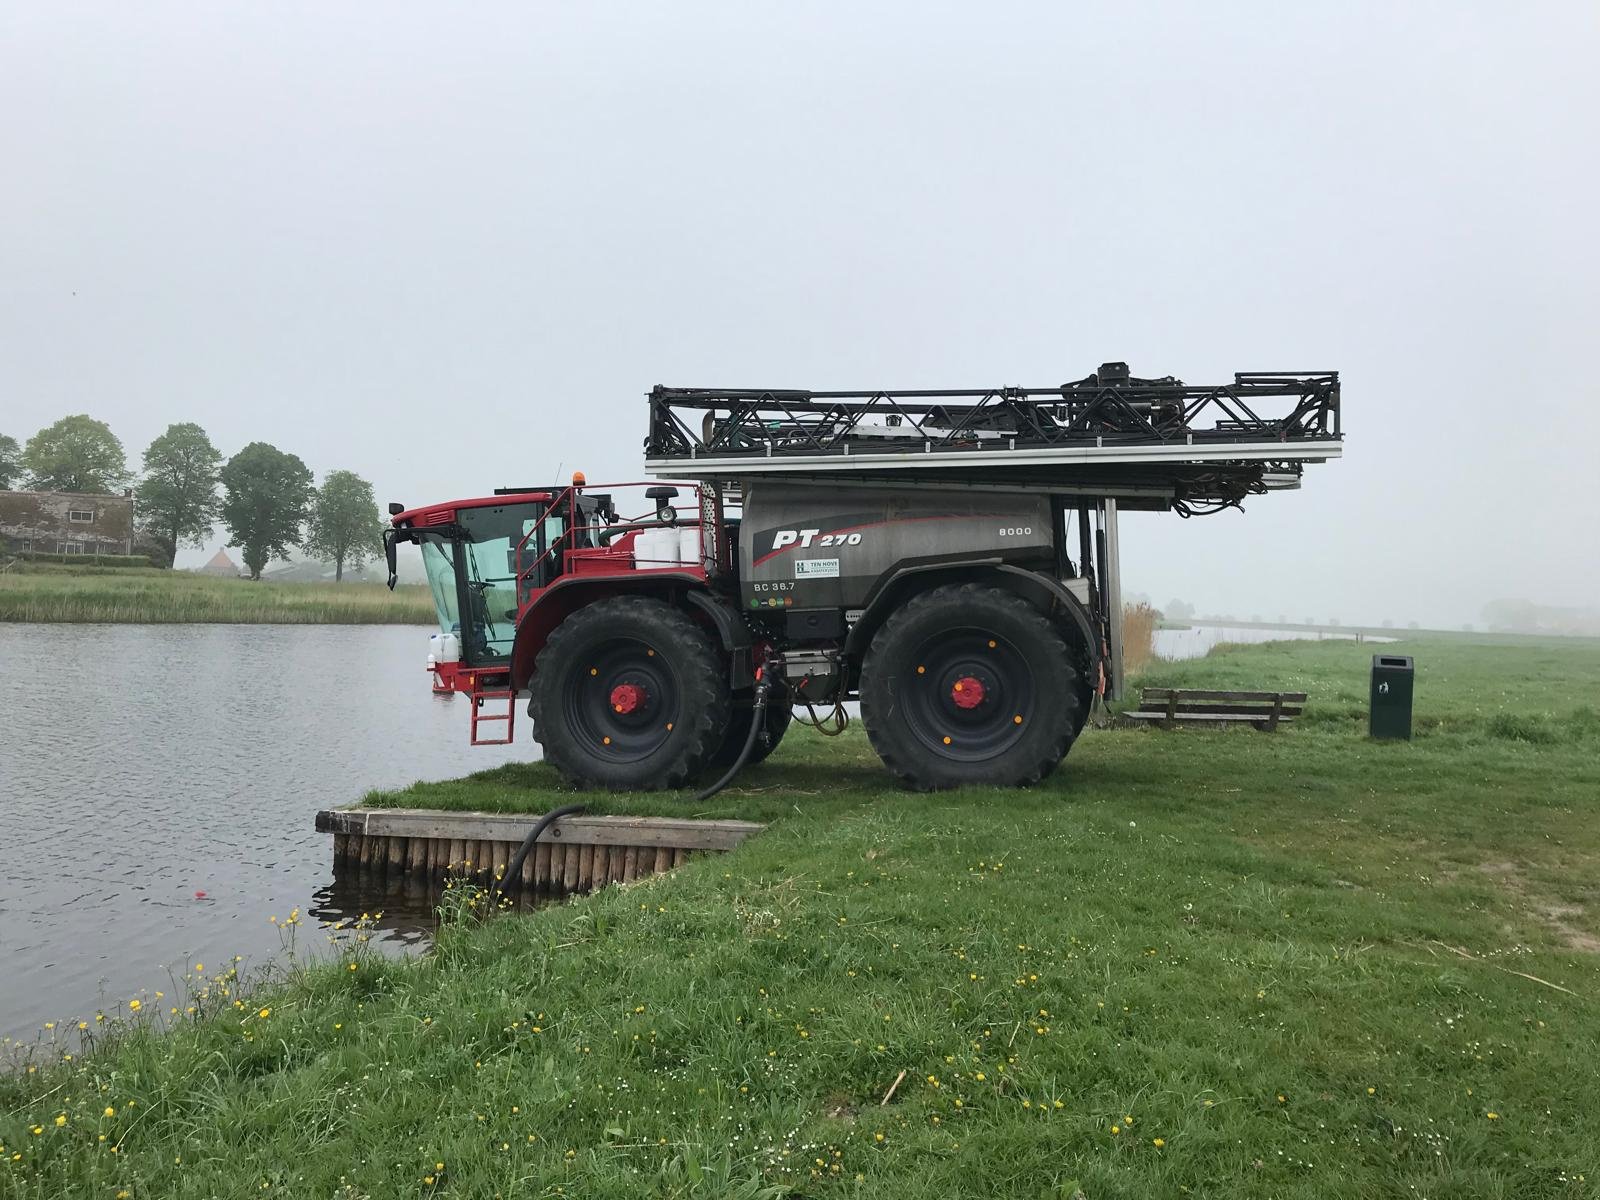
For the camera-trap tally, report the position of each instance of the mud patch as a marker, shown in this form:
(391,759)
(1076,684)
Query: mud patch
(1554,916)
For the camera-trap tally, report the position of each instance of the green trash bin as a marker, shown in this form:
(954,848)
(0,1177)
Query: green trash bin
(1390,709)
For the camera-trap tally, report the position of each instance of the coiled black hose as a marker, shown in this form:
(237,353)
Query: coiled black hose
(514,867)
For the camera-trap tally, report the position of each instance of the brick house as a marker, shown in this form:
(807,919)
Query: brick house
(66,523)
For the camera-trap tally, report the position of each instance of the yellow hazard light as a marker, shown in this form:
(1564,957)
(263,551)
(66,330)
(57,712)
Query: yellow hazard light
(578,479)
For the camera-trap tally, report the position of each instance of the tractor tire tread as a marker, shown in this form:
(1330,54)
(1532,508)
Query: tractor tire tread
(905,761)
(702,681)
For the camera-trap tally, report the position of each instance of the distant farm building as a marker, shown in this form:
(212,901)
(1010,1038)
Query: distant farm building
(66,523)
(220,565)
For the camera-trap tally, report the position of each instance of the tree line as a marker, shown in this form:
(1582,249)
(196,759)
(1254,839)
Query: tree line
(267,501)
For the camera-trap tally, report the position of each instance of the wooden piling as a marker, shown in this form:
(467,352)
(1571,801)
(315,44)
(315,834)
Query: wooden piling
(579,853)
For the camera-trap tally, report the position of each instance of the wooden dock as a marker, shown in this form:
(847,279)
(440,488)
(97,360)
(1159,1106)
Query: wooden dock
(576,854)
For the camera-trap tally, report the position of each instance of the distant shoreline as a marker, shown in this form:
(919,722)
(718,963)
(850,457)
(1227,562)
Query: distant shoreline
(139,596)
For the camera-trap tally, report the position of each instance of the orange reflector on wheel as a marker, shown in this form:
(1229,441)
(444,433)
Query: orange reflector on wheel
(946,741)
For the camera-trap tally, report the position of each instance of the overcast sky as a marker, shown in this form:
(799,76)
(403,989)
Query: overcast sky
(450,247)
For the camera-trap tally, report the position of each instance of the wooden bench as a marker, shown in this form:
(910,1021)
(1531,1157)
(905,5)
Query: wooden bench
(1264,710)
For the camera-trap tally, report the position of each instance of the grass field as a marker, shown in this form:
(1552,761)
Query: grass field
(1193,963)
(146,595)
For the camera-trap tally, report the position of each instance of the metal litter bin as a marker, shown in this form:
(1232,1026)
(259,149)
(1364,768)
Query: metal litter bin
(1390,710)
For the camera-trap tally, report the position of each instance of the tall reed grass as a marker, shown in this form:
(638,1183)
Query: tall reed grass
(1138,636)
(131,596)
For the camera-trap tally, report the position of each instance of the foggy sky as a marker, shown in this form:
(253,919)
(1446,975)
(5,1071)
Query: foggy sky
(451,247)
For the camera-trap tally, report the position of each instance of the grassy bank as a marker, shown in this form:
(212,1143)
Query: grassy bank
(1236,964)
(147,596)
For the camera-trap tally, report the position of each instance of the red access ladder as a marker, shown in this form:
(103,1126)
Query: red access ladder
(479,717)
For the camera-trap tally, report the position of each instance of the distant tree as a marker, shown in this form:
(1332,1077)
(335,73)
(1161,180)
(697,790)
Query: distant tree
(76,454)
(152,546)
(267,495)
(1387,623)
(10,462)
(178,496)
(1412,625)
(345,524)
(1178,610)
(1333,622)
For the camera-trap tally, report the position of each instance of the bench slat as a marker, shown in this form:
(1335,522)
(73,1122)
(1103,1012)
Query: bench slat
(1180,710)
(1149,694)
(1283,718)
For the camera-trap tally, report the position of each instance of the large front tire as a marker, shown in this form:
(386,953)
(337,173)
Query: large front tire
(969,684)
(629,694)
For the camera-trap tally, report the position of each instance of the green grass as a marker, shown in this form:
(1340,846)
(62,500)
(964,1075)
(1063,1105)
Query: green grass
(1310,964)
(150,596)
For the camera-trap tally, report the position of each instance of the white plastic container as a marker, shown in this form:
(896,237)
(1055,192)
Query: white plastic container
(443,648)
(655,548)
(689,546)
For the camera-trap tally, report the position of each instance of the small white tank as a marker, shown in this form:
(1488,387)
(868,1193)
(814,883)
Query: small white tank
(443,648)
(689,546)
(655,548)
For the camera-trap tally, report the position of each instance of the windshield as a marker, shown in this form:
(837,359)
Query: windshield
(501,542)
(438,561)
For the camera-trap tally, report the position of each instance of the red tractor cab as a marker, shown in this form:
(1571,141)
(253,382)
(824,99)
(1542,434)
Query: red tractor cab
(491,561)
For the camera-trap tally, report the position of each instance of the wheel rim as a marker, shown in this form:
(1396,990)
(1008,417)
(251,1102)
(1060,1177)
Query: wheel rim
(968,696)
(624,700)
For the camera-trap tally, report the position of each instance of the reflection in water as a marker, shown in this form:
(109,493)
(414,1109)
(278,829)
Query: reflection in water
(163,809)
(397,910)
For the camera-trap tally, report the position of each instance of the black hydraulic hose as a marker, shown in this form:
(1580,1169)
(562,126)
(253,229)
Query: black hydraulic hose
(514,867)
(757,715)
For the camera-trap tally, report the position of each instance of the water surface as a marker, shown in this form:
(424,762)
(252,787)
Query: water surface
(140,764)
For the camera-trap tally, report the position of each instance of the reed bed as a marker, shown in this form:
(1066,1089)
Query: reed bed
(132,596)
(1139,623)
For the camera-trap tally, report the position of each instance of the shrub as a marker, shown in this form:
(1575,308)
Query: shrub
(96,560)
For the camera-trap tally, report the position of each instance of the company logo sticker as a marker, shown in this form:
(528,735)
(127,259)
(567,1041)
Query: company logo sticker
(816,568)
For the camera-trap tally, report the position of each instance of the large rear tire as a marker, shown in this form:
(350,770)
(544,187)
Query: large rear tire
(969,684)
(629,694)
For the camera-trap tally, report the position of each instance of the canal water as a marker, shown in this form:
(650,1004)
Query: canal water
(1197,640)
(141,765)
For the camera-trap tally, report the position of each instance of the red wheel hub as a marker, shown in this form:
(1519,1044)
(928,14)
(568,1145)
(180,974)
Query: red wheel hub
(967,692)
(626,697)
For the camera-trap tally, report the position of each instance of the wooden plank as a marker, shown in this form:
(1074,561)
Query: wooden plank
(341,847)
(525,879)
(596,830)
(630,864)
(500,857)
(619,860)
(541,865)
(663,859)
(679,856)
(585,866)
(569,869)
(1180,711)
(458,854)
(1203,717)
(1161,694)
(363,850)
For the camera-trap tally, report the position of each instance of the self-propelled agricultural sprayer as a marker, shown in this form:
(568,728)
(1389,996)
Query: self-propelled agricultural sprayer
(948,558)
